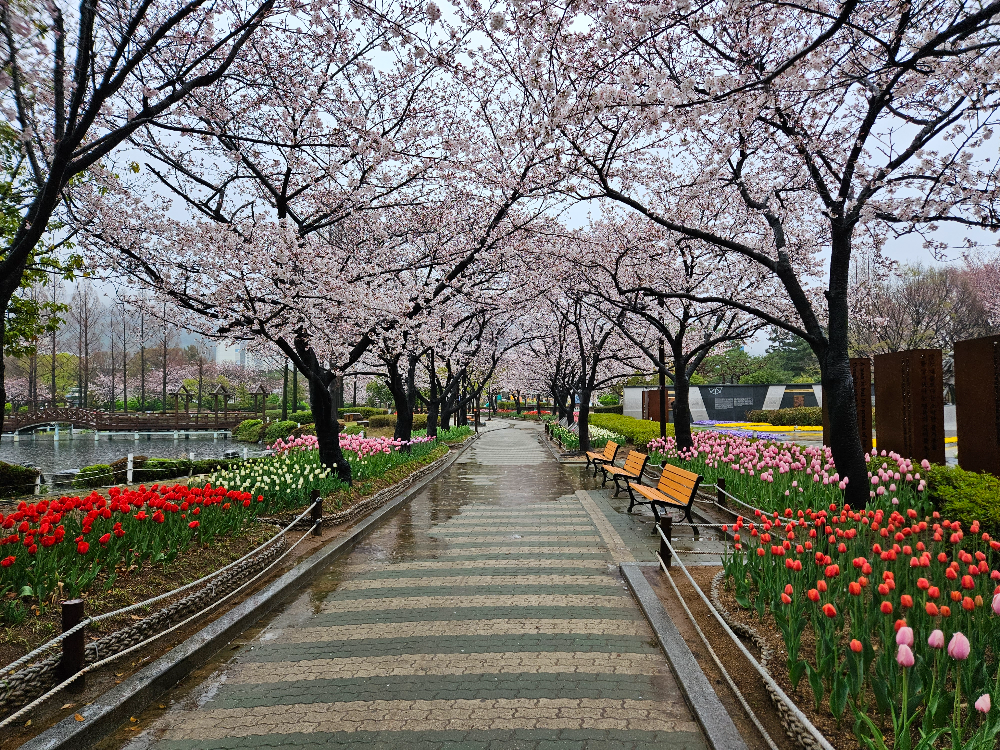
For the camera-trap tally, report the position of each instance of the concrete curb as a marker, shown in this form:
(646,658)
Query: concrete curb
(115,706)
(715,721)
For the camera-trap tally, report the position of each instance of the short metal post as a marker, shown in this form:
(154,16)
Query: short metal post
(73,646)
(131,464)
(317,513)
(38,484)
(667,527)
(720,486)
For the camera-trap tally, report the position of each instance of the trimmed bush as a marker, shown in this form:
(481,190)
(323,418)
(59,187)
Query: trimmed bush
(800,416)
(638,431)
(389,420)
(277,430)
(120,468)
(16,480)
(364,411)
(249,431)
(302,417)
(965,496)
(98,475)
(157,469)
(612,409)
(306,429)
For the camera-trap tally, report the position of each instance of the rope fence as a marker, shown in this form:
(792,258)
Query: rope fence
(49,645)
(107,660)
(773,686)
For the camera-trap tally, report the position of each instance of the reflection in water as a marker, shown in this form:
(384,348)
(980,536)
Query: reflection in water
(73,453)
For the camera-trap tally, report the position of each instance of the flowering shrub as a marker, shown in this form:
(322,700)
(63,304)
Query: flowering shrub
(883,591)
(71,540)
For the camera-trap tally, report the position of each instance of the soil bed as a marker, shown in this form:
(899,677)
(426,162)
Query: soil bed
(154,580)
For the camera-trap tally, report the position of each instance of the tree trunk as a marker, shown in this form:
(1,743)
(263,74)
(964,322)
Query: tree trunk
(682,403)
(584,419)
(517,403)
(284,395)
(838,385)
(322,400)
(432,402)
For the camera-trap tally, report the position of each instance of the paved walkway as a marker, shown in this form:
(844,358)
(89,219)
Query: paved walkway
(486,614)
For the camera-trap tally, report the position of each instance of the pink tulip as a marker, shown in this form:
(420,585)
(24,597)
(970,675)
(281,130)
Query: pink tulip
(959,647)
(904,637)
(996,603)
(983,704)
(936,639)
(904,657)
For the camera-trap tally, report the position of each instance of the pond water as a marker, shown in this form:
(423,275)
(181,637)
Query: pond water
(50,455)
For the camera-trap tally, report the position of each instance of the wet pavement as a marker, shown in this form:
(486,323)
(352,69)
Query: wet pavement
(487,613)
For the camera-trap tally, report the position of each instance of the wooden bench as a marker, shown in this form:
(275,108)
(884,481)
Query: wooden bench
(635,464)
(676,489)
(608,455)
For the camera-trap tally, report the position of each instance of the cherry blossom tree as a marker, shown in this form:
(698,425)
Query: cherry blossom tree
(656,278)
(78,81)
(788,134)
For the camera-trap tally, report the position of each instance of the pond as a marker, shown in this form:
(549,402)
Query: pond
(75,452)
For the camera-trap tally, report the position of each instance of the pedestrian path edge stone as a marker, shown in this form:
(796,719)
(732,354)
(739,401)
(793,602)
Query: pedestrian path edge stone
(715,721)
(115,706)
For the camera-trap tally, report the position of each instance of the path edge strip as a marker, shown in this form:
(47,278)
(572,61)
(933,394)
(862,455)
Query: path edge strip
(115,706)
(715,721)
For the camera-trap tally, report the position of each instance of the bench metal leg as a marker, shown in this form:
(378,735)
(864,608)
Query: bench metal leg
(631,497)
(604,479)
(618,487)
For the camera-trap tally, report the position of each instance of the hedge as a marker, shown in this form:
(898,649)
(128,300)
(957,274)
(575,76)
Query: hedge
(306,429)
(638,431)
(389,420)
(249,431)
(146,470)
(800,416)
(613,409)
(965,496)
(302,417)
(97,475)
(16,480)
(277,430)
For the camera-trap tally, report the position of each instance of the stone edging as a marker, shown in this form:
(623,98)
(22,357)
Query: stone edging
(27,684)
(793,727)
(708,711)
(134,694)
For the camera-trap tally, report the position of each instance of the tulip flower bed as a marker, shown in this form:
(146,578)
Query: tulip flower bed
(773,475)
(881,593)
(69,542)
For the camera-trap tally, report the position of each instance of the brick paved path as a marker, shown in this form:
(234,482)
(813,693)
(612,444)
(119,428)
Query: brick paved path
(487,614)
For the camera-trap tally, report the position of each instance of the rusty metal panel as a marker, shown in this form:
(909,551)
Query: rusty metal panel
(977,403)
(909,404)
(861,375)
